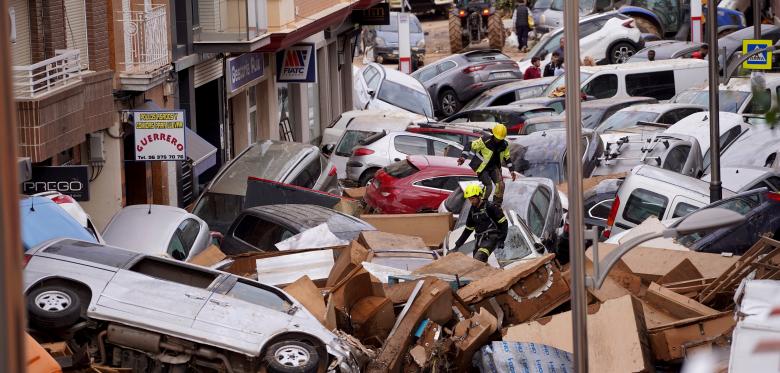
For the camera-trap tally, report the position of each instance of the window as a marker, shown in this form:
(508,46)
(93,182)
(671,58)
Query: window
(601,210)
(400,170)
(741,205)
(676,158)
(427,74)
(760,103)
(176,248)
(726,139)
(168,271)
(255,294)
(309,175)
(536,91)
(537,210)
(349,141)
(675,116)
(557,106)
(445,66)
(406,98)
(446,183)
(505,99)
(482,117)
(643,204)
(411,145)
(604,86)
(683,209)
(259,233)
(443,149)
(658,84)
(371,76)
(775,181)
(189,230)
(447,136)
(88,252)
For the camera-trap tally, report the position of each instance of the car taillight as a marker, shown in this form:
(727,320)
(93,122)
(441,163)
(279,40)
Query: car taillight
(485,11)
(27,258)
(629,23)
(611,219)
(472,69)
(332,171)
(362,151)
(774,196)
(461,13)
(63,199)
(516,128)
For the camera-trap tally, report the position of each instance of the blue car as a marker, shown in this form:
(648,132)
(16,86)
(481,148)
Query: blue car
(43,220)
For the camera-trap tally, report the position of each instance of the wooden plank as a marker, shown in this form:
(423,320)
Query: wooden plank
(682,272)
(675,304)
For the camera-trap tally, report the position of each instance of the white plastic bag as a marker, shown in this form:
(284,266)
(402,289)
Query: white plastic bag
(511,41)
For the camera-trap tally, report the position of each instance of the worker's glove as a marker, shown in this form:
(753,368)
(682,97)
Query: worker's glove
(461,160)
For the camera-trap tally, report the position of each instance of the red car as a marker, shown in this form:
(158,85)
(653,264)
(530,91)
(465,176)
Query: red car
(418,184)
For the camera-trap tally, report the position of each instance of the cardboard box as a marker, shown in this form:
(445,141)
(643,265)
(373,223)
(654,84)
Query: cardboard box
(348,259)
(207,258)
(503,280)
(458,264)
(376,240)
(356,193)
(305,291)
(432,228)
(372,319)
(533,296)
(670,342)
(617,339)
(470,335)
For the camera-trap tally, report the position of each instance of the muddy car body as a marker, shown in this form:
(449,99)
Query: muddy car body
(178,316)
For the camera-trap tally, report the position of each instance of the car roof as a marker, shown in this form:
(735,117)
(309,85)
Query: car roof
(42,220)
(698,126)
(738,177)
(302,217)
(609,102)
(665,49)
(540,100)
(401,78)
(378,113)
(675,179)
(377,124)
(423,162)
(660,108)
(677,63)
(145,228)
(512,86)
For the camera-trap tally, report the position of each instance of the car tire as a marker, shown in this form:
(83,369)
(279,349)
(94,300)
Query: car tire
(292,356)
(448,102)
(496,34)
(367,176)
(647,26)
(456,33)
(53,307)
(620,52)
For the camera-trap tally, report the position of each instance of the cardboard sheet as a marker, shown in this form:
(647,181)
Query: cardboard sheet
(432,228)
(286,269)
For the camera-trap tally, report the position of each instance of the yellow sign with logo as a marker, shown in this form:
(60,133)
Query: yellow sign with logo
(758,61)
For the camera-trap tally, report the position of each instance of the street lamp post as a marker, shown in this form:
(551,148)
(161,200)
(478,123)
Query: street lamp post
(714,79)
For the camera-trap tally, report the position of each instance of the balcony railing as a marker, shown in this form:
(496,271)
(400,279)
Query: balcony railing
(231,20)
(38,79)
(145,39)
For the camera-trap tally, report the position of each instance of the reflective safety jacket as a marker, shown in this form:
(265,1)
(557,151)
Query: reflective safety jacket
(483,149)
(486,219)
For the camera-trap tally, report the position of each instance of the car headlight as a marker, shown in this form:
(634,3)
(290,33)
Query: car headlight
(379,41)
(421,43)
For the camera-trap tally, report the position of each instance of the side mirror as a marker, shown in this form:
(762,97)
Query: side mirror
(371,93)
(327,149)
(539,248)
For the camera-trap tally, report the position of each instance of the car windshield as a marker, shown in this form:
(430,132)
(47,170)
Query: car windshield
(350,140)
(625,119)
(560,82)
(550,170)
(542,4)
(536,127)
(219,210)
(729,101)
(586,6)
(414,26)
(478,101)
(551,40)
(405,98)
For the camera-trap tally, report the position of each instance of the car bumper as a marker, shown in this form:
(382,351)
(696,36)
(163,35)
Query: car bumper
(355,169)
(392,52)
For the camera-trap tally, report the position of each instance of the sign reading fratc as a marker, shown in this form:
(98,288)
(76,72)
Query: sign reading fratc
(159,135)
(297,64)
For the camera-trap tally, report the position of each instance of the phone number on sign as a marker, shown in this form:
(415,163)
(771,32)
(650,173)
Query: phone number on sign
(162,158)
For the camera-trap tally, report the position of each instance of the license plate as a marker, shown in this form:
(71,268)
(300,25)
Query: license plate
(502,75)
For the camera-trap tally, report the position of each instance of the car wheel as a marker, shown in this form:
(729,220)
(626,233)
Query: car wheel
(53,307)
(448,102)
(621,52)
(367,176)
(292,357)
(647,27)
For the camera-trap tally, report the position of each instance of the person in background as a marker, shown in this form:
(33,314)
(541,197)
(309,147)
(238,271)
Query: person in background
(588,61)
(560,48)
(702,52)
(560,69)
(549,69)
(651,55)
(533,71)
(521,25)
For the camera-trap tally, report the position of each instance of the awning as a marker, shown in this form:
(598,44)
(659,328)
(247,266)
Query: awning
(200,151)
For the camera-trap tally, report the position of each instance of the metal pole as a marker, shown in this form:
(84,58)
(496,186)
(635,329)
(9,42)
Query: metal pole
(574,175)
(756,19)
(712,35)
(12,310)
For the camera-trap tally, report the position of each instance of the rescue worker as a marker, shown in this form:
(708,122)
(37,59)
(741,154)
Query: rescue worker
(486,220)
(488,154)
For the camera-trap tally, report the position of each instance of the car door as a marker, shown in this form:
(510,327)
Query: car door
(245,314)
(404,145)
(430,192)
(368,79)
(155,291)
(444,149)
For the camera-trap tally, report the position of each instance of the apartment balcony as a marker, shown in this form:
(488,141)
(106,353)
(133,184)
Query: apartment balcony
(144,56)
(57,104)
(231,25)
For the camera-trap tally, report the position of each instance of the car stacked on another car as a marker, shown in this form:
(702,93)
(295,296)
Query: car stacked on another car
(455,80)
(512,116)
(644,118)
(508,93)
(543,153)
(377,87)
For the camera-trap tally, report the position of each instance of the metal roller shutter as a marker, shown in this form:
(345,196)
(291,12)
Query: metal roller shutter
(207,71)
(19,16)
(76,29)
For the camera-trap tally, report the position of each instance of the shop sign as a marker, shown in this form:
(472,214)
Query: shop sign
(159,135)
(69,180)
(758,61)
(297,64)
(244,69)
(377,15)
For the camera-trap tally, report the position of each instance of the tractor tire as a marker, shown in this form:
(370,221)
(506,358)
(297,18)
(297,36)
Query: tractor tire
(646,26)
(456,33)
(496,34)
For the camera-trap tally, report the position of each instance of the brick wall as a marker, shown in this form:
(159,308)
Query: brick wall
(98,34)
(47,28)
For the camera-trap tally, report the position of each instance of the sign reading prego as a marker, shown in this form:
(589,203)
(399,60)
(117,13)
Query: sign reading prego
(69,180)
(159,135)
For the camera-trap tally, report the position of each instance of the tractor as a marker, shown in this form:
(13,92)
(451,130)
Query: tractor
(472,21)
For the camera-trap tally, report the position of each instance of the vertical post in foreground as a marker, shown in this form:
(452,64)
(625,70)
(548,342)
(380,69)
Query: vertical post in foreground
(11,309)
(574,175)
(714,80)
(756,19)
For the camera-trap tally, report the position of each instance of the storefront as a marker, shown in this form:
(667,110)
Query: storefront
(243,74)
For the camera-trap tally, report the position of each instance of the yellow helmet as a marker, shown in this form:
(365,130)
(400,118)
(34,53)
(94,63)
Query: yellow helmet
(499,131)
(472,190)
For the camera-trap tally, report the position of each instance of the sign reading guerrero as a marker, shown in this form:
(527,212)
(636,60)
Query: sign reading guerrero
(159,135)
(297,64)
